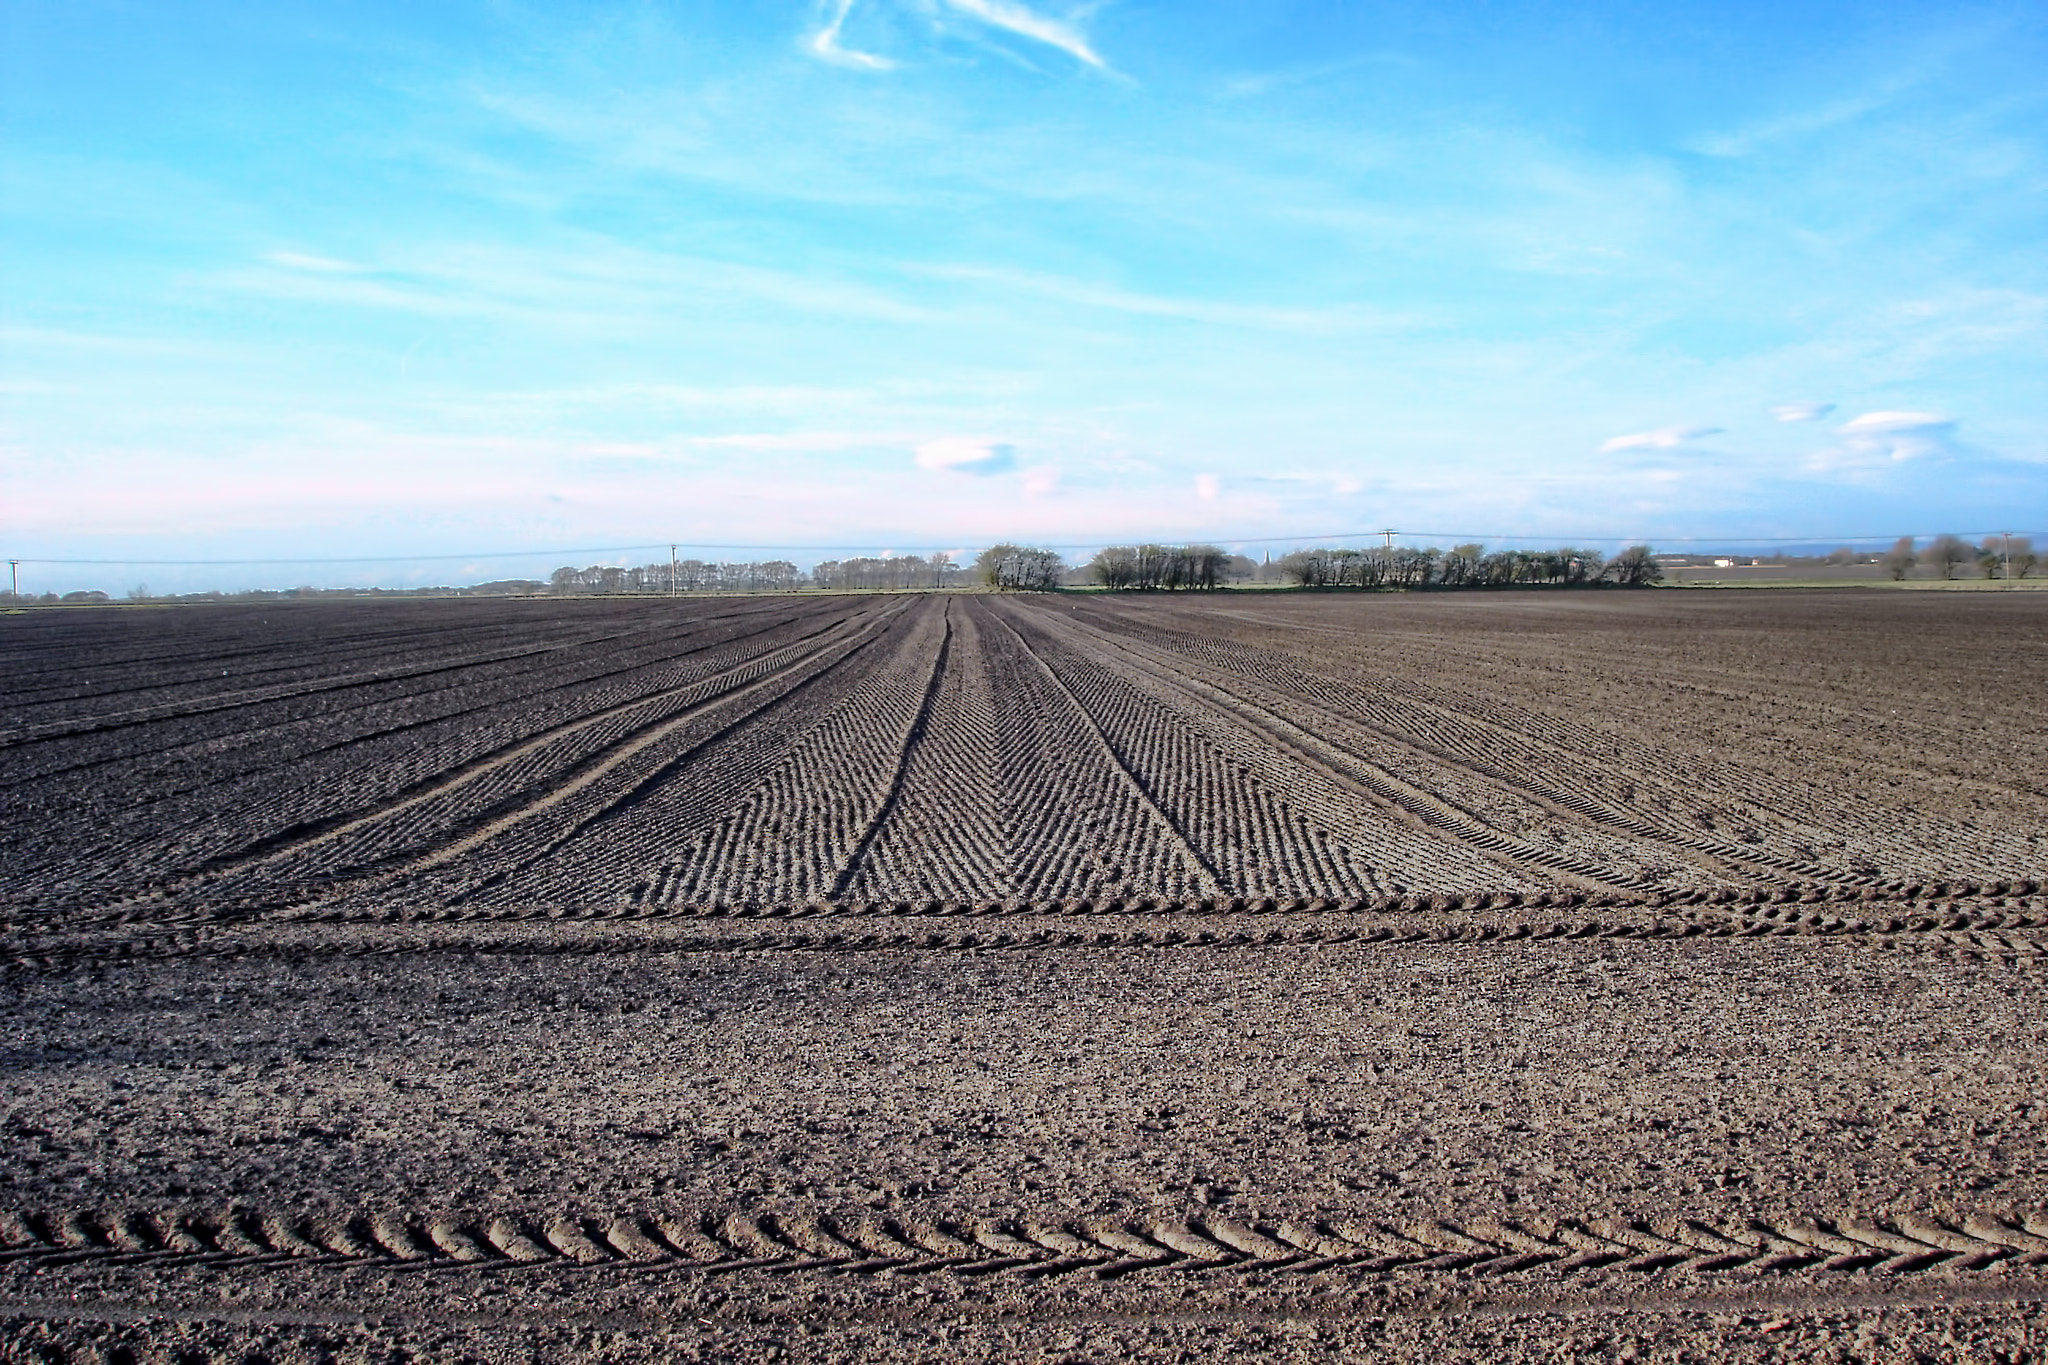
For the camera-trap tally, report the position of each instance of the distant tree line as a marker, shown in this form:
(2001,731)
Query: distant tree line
(1168,567)
(1150,567)
(1468,566)
(1153,567)
(142,592)
(875,573)
(894,571)
(688,575)
(870,573)
(1019,568)
(1993,557)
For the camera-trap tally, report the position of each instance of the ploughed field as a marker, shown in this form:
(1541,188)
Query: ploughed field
(955,977)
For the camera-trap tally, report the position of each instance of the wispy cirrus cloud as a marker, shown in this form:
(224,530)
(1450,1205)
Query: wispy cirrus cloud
(1028,23)
(1266,82)
(1664,438)
(353,289)
(824,40)
(1739,142)
(588,280)
(1111,298)
(1801,412)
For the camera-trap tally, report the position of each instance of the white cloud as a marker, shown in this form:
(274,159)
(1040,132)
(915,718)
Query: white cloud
(966,455)
(1801,412)
(1877,440)
(825,43)
(1026,23)
(1886,423)
(1664,438)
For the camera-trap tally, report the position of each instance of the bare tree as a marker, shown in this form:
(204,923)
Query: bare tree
(1577,566)
(1900,559)
(1634,567)
(2003,556)
(1944,552)
(1115,566)
(1171,567)
(2020,553)
(1193,566)
(1019,568)
(1456,568)
(1306,568)
(1410,567)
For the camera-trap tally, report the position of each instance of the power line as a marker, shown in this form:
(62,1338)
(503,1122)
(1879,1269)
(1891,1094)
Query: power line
(364,559)
(1836,539)
(1483,537)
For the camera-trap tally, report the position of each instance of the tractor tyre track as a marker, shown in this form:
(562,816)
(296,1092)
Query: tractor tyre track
(1035,1245)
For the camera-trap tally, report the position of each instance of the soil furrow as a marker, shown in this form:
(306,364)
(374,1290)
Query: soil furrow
(723,688)
(1555,763)
(1204,871)
(1388,792)
(856,860)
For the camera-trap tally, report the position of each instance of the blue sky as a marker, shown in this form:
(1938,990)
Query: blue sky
(321,279)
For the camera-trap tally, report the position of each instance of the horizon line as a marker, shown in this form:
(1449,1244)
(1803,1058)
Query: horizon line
(1464,536)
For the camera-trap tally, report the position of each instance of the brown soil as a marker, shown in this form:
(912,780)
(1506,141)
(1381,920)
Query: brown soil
(1517,977)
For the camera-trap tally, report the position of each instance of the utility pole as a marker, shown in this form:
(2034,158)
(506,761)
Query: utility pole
(2006,536)
(14,574)
(671,571)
